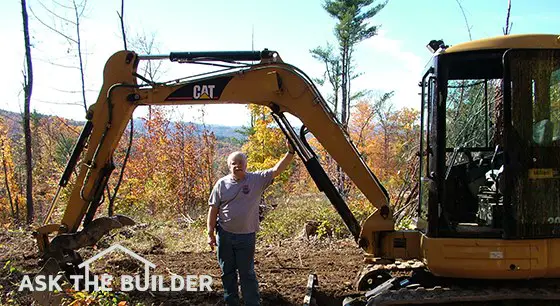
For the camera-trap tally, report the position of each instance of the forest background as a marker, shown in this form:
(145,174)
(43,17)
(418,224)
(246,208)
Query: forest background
(172,163)
(170,166)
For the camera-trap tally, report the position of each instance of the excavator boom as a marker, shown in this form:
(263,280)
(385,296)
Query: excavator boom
(280,86)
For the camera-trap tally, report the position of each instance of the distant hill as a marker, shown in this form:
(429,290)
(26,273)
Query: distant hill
(221,131)
(18,118)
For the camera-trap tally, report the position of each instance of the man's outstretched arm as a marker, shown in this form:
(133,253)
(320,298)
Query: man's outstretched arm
(282,164)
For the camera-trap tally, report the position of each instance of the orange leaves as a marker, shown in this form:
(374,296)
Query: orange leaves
(387,139)
(170,167)
(52,142)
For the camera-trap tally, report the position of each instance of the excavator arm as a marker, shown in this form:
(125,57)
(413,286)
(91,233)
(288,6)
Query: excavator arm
(280,86)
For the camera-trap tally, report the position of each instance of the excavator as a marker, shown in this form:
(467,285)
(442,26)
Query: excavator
(488,211)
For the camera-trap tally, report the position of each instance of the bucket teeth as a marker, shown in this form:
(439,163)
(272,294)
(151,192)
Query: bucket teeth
(90,234)
(124,220)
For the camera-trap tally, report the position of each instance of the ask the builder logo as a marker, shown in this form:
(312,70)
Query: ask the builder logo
(104,282)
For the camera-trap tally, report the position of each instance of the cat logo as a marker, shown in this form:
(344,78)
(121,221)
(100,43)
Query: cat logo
(204,92)
(211,89)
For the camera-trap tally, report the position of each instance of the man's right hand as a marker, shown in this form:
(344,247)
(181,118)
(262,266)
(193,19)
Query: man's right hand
(290,147)
(212,240)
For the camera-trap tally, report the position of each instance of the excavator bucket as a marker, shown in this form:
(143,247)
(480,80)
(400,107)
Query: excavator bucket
(90,234)
(64,260)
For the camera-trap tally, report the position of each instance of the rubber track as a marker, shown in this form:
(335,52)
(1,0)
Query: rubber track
(442,295)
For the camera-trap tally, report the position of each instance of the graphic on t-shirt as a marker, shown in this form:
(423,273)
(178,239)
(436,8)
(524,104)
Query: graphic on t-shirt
(246,189)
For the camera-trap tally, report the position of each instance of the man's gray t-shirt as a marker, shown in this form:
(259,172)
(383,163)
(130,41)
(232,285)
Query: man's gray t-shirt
(239,201)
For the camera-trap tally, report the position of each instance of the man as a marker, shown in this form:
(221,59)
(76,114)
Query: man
(234,214)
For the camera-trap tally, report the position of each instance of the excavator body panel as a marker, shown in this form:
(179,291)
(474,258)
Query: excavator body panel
(492,258)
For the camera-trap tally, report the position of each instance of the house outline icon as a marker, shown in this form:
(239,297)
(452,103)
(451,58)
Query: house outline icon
(147,264)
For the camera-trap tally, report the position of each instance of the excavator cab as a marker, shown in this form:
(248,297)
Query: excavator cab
(490,143)
(489,180)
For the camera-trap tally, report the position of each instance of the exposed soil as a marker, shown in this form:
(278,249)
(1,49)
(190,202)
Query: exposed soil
(282,270)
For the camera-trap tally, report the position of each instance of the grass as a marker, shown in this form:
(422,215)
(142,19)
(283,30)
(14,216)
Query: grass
(287,220)
(160,236)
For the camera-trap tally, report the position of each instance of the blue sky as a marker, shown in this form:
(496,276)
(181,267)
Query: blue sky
(393,60)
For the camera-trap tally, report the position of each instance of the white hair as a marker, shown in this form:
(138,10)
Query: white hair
(237,154)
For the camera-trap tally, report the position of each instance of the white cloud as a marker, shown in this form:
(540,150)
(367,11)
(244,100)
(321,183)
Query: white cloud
(387,66)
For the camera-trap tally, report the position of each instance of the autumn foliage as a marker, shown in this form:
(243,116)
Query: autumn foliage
(53,139)
(170,169)
(387,140)
(173,165)
(265,145)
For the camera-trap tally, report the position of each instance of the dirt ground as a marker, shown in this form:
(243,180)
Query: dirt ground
(282,270)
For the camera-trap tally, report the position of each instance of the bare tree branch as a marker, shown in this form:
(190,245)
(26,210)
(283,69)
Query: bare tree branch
(121,18)
(363,127)
(56,64)
(507,29)
(83,6)
(465,16)
(56,15)
(377,108)
(77,103)
(51,28)
(72,91)
(69,128)
(61,5)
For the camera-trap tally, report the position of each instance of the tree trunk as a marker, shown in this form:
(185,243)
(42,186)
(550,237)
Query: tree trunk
(28,88)
(79,43)
(17,209)
(349,82)
(7,183)
(344,101)
(344,111)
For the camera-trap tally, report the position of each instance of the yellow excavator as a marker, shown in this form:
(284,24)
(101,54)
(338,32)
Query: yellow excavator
(489,203)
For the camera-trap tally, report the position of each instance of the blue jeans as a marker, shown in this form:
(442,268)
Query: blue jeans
(236,252)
